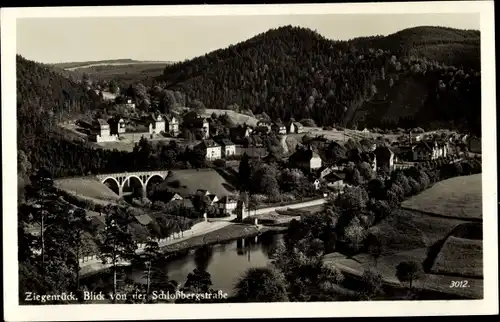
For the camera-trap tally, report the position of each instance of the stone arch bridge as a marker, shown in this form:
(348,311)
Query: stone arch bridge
(123,181)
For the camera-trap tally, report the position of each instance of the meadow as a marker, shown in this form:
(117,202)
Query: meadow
(448,248)
(459,197)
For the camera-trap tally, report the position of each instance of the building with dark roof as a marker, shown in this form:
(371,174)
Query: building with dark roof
(211,149)
(385,158)
(305,159)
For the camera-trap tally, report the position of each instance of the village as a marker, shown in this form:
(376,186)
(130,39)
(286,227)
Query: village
(326,165)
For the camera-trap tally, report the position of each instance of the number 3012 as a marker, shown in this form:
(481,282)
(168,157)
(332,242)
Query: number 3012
(459,284)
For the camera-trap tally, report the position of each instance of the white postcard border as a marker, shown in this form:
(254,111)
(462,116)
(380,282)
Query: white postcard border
(14,312)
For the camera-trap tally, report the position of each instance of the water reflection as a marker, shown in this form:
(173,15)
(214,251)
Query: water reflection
(225,263)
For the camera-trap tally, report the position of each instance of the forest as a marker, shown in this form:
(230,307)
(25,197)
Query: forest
(295,72)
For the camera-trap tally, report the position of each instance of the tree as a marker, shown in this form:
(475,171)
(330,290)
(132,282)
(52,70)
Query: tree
(265,284)
(356,177)
(198,281)
(408,271)
(375,246)
(151,252)
(76,225)
(118,243)
(373,285)
(366,171)
(244,171)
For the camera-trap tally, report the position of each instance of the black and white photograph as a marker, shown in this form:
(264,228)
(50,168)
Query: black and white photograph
(295,155)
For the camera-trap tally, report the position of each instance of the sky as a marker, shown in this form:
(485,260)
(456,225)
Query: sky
(175,38)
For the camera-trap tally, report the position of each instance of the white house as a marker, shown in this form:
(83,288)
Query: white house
(102,132)
(130,104)
(278,127)
(429,150)
(227,205)
(156,124)
(116,125)
(385,158)
(228,148)
(307,160)
(172,125)
(295,127)
(211,149)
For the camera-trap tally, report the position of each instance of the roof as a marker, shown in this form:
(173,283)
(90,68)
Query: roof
(143,219)
(278,124)
(190,180)
(297,124)
(226,142)
(208,144)
(424,145)
(227,199)
(335,176)
(383,152)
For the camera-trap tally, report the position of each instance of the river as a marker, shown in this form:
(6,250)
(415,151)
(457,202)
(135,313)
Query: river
(225,262)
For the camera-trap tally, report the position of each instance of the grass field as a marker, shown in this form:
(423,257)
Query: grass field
(460,256)
(237,118)
(87,188)
(459,197)
(450,248)
(407,230)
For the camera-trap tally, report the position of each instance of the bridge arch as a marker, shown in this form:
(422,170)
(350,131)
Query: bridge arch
(155,178)
(133,184)
(127,182)
(113,184)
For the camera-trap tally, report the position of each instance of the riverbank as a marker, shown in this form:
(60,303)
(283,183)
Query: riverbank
(225,232)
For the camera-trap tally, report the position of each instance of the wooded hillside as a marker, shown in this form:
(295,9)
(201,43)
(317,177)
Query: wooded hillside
(295,72)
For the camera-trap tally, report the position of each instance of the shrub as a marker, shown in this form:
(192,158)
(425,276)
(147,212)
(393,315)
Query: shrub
(308,122)
(373,285)
(220,163)
(327,128)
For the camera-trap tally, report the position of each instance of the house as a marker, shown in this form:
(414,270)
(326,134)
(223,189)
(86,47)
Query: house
(335,180)
(171,196)
(116,125)
(242,207)
(226,205)
(228,148)
(102,132)
(474,144)
(239,133)
(211,149)
(324,171)
(295,127)
(210,197)
(261,130)
(385,159)
(102,127)
(130,104)
(429,150)
(156,124)
(198,124)
(305,159)
(316,184)
(278,127)
(172,125)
